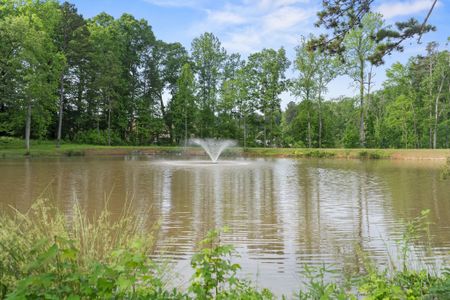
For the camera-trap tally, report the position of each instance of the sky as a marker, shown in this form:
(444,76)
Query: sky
(247,26)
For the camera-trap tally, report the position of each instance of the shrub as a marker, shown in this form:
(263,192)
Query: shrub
(215,274)
(97,137)
(319,154)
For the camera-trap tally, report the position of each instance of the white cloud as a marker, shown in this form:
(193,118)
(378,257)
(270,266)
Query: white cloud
(176,3)
(285,18)
(250,25)
(404,8)
(226,18)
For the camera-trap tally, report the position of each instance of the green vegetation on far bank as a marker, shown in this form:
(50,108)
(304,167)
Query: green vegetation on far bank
(13,148)
(110,80)
(45,255)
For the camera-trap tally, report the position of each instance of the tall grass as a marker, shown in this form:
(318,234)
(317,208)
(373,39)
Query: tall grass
(26,237)
(46,255)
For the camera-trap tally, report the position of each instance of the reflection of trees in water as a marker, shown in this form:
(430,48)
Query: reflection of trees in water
(336,214)
(283,212)
(414,187)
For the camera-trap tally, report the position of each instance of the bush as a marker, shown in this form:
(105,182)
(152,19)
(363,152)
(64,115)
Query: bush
(369,155)
(319,154)
(215,274)
(97,137)
(10,142)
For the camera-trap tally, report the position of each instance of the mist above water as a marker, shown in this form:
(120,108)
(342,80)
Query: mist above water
(213,147)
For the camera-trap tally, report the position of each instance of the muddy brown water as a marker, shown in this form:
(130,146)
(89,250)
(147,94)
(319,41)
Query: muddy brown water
(282,213)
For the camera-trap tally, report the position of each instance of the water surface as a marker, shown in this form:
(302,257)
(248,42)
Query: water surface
(283,213)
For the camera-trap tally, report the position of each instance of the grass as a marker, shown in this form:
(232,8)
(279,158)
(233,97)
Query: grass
(28,240)
(14,148)
(45,255)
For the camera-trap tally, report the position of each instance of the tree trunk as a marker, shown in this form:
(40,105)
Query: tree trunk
(28,128)
(185,123)
(416,135)
(109,121)
(309,129)
(436,112)
(431,105)
(320,120)
(265,128)
(245,133)
(446,123)
(362,134)
(61,107)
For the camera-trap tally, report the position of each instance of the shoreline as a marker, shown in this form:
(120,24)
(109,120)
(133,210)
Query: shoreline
(48,149)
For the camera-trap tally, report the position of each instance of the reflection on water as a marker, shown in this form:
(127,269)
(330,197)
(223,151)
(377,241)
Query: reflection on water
(282,213)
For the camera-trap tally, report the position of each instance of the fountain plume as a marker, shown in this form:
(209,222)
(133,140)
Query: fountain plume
(213,147)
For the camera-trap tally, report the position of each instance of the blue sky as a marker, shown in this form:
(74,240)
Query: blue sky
(247,26)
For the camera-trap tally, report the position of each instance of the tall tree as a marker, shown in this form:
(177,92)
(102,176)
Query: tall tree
(71,41)
(162,71)
(183,106)
(305,86)
(268,69)
(106,71)
(33,64)
(208,56)
(360,47)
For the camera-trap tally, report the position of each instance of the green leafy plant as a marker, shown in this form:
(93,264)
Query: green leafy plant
(318,288)
(215,274)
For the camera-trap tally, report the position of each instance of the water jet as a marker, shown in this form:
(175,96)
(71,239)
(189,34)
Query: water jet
(213,147)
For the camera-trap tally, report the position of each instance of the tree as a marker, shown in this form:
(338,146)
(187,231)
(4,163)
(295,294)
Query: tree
(32,64)
(359,48)
(208,56)
(162,71)
(106,70)
(183,107)
(267,69)
(305,86)
(71,41)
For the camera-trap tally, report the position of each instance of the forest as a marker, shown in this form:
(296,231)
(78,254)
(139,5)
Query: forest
(110,81)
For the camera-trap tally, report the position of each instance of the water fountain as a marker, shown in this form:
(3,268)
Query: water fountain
(213,147)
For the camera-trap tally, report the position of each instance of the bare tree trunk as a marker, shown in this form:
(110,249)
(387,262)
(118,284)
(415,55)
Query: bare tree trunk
(61,106)
(28,128)
(416,136)
(309,129)
(185,123)
(320,119)
(245,133)
(362,134)
(431,105)
(265,130)
(109,121)
(436,112)
(446,123)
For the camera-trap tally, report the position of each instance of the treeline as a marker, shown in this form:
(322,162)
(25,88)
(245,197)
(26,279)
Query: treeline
(111,81)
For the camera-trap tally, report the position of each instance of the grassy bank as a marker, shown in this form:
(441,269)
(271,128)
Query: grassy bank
(45,255)
(14,148)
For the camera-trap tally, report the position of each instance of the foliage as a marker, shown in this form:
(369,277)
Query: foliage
(317,288)
(215,273)
(25,240)
(445,172)
(342,16)
(403,285)
(110,81)
(97,137)
(45,255)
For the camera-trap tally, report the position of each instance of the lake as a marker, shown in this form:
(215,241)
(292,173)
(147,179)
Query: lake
(282,213)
